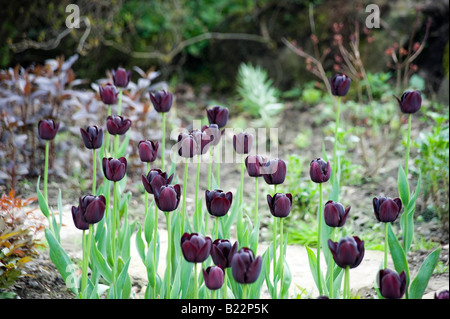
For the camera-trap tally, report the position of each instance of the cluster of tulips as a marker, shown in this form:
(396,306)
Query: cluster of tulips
(229,270)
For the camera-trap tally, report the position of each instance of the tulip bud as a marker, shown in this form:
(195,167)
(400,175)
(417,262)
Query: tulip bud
(274,172)
(245,268)
(218,115)
(114,169)
(195,247)
(334,213)
(121,77)
(92,208)
(167,197)
(212,132)
(213,276)
(320,171)
(117,125)
(386,209)
(222,252)
(155,179)
(410,102)
(349,251)
(390,284)
(442,295)
(162,101)
(217,202)
(254,164)
(280,204)
(340,84)
(47,129)
(108,94)
(92,137)
(148,151)
(78,219)
(242,143)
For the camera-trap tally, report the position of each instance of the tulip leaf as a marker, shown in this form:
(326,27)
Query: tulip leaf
(149,223)
(313,264)
(121,285)
(100,263)
(403,186)
(42,202)
(267,258)
(123,145)
(398,254)
(287,276)
(186,270)
(140,246)
(420,282)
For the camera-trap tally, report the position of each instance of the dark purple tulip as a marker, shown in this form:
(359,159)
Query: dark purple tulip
(410,102)
(340,84)
(335,214)
(218,115)
(243,143)
(117,125)
(212,132)
(195,247)
(162,101)
(245,267)
(155,179)
(442,295)
(92,208)
(92,137)
(148,151)
(222,252)
(349,251)
(47,129)
(280,204)
(167,197)
(193,143)
(255,165)
(213,276)
(387,209)
(320,171)
(114,169)
(108,94)
(78,219)
(275,172)
(121,77)
(391,284)
(218,202)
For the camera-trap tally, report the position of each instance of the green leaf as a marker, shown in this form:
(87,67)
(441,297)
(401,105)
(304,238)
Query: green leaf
(42,202)
(397,253)
(101,263)
(140,246)
(313,265)
(403,186)
(420,282)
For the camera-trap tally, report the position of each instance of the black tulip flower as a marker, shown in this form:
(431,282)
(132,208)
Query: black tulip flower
(410,102)
(117,125)
(108,94)
(349,251)
(213,276)
(320,171)
(162,101)
(243,143)
(213,133)
(92,208)
(335,214)
(92,137)
(155,179)
(218,202)
(391,284)
(193,143)
(280,204)
(148,150)
(340,84)
(78,219)
(47,129)
(114,169)
(442,295)
(195,247)
(222,252)
(275,172)
(245,268)
(386,209)
(218,115)
(255,165)
(167,197)
(121,77)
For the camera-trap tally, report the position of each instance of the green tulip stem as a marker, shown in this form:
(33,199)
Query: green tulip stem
(408,146)
(197,181)
(336,130)
(218,165)
(256,201)
(116,146)
(333,230)
(119,107)
(347,283)
(47,148)
(155,237)
(195,281)
(225,284)
(106,147)
(242,182)
(216,232)
(146,195)
(274,234)
(169,253)
(163,141)
(210,168)
(319,284)
(113,228)
(94,172)
(386,246)
(281,258)
(86,253)
(183,203)
(244,291)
